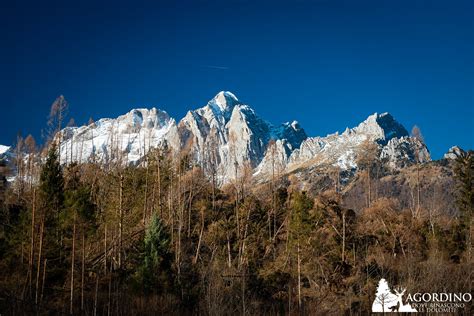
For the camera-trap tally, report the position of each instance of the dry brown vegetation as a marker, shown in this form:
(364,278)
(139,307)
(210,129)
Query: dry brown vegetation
(162,238)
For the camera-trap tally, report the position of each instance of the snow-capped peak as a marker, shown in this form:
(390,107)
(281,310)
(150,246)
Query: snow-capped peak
(224,101)
(380,127)
(295,125)
(147,118)
(128,137)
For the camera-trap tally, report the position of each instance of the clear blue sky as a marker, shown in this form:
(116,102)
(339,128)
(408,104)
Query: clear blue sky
(328,64)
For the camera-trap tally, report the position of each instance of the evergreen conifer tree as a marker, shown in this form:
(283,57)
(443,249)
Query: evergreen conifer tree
(464,172)
(52,186)
(155,271)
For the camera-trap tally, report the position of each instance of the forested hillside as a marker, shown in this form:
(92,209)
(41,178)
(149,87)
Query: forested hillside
(165,235)
(164,238)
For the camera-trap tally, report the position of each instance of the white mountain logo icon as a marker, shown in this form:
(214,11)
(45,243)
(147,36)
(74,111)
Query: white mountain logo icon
(386,301)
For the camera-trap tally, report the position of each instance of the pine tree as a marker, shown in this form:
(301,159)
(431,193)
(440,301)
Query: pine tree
(155,271)
(464,173)
(300,228)
(51,197)
(51,186)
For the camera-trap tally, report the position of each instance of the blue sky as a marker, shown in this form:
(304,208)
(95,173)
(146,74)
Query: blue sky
(328,64)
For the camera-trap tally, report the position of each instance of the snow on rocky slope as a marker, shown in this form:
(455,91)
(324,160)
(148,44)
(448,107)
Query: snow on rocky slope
(3,149)
(125,138)
(341,150)
(5,153)
(227,135)
(454,152)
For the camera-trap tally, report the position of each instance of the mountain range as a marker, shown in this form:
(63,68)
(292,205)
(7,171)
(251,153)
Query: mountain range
(226,135)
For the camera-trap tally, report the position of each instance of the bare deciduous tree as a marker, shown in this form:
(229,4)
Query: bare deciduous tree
(366,160)
(57,114)
(416,133)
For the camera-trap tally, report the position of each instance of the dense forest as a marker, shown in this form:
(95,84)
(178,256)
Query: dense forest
(163,238)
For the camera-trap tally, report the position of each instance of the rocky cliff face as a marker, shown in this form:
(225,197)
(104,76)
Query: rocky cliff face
(230,135)
(454,152)
(126,138)
(226,135)
(341,150)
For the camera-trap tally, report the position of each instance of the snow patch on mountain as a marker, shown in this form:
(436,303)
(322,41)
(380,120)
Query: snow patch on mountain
(4,149)
(380,127)
(126,138)
(404,151)
(228,136)
(342,150)
(454,152)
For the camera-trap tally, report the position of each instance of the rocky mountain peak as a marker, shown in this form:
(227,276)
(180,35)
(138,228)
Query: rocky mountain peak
(146,118)
(381,128)
(454,152)
(292,132)
(224,101)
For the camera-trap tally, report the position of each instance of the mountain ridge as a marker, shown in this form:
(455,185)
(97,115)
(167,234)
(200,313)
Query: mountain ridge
(225,136)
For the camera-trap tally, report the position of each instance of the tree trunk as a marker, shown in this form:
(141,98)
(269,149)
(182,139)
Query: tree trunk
(72,263)
(229,257)
(159,188)
(95,296)
(39,260)
(299,278)
(170,210)
(237,202)
(243,293)
(377,175)
(32,245)
(105,248)
(72,141)
(180,221)
(120,221)
(200,238)
(244,239)
(145,200)
(92,148)
(273,195)
(156,183)
(369,197)
(418,190)
(110,290)
(191,192)
(82,269)
(213,190)
(343,236)
(44,278)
